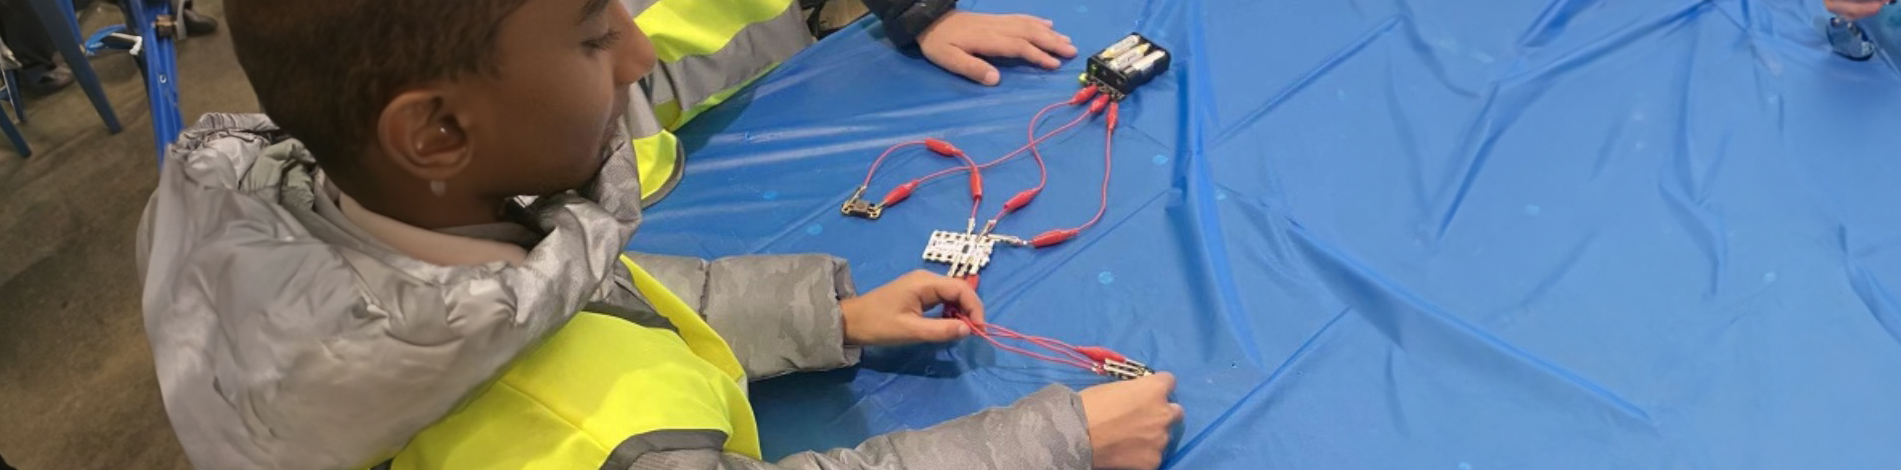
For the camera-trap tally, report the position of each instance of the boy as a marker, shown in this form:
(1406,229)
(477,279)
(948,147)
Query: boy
(429,275)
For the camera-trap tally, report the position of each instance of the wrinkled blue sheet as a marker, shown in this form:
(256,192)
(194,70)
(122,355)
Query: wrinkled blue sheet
(1379,233)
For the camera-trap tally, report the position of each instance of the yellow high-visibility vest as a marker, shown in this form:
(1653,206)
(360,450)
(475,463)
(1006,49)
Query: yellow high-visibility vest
(600,390)
(708,50)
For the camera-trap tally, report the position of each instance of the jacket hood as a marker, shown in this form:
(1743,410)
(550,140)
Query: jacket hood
(282,340)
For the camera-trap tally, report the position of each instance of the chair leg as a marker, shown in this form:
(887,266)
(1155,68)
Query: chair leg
(16,99)
(160,67)
(13,134)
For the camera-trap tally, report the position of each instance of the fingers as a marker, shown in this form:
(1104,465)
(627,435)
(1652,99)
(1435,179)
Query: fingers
(1054,43)
(933,289)
(1866,10)
(958,44)
(961,62)
(1852,11)
(1029,51)
(1016,42)
(1041,33)
(1160,383)
(936,330)
(1032,19)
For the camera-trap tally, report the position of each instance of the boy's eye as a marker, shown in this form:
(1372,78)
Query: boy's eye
(603,42)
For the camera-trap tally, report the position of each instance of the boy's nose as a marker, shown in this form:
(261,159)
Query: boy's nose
(637,56)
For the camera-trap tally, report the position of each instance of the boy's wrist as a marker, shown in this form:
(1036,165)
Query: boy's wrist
(914,20)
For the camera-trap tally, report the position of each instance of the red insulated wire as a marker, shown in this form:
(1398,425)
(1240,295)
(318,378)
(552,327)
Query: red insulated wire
(1037,356)
(1041,339)
(1058,236)
(903,191)
(887,153)
(1072,355)
(1108,164)
(1066,349)
(1085,358)
(976,183)
(1042,170)
(1014,153)
(1072,358)
(1047,343)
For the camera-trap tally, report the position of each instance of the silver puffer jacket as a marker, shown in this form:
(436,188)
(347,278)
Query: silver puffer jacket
(285,340)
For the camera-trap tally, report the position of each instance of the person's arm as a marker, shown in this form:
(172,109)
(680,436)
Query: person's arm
(959,40)
(1046,430)
(904,20)
(788,313)
(793,313)
(779,313)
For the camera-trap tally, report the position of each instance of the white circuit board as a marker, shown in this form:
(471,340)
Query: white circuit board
(965,252)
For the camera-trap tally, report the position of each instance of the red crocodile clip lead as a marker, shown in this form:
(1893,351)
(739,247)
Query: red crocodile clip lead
(942,147)
(899,193)
(976,185)
(1097,105)
(1100,354)
(1020,200)
(1054,237)
(1083,95)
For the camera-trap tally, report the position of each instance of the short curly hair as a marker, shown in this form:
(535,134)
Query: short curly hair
(324,69)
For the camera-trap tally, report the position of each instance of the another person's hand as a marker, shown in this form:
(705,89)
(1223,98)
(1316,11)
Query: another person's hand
(893,314)
(1852,10)
(1129,421)
(958,41)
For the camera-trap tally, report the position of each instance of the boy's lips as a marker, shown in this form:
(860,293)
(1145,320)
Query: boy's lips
(611,134)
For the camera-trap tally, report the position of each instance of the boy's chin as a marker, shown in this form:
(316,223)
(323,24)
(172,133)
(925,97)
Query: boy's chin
(583,180)
(583,176)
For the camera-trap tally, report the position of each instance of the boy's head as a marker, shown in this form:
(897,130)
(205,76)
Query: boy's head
(483,99)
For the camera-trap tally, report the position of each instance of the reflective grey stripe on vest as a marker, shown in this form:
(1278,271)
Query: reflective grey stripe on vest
(624,304)
(757,48)
(637,6)
(633,447)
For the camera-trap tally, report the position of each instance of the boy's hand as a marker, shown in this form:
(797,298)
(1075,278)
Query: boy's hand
(894,313)
(1129,421)
(956,40)
(1852,10)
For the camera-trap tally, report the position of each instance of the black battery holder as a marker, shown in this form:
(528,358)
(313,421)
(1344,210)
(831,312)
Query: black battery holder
(1119,83)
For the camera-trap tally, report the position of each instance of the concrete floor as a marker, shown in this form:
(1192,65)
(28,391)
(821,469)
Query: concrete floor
(76,382)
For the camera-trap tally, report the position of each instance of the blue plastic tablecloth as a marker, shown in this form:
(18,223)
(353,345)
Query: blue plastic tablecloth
(1378,233)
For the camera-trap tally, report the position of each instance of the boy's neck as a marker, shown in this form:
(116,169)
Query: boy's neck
(432,212)
(428,245)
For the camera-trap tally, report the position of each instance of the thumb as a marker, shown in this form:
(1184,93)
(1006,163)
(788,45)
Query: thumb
(935,330)
(959,61)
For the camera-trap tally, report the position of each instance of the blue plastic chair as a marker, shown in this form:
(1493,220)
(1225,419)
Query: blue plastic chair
(60,22)
(153,43)
(10,94)
(157,58)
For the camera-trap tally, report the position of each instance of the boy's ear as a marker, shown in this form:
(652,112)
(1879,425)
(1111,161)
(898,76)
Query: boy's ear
(419,134)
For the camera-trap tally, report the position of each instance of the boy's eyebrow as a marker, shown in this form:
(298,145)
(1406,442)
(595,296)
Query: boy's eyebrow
(592,8)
